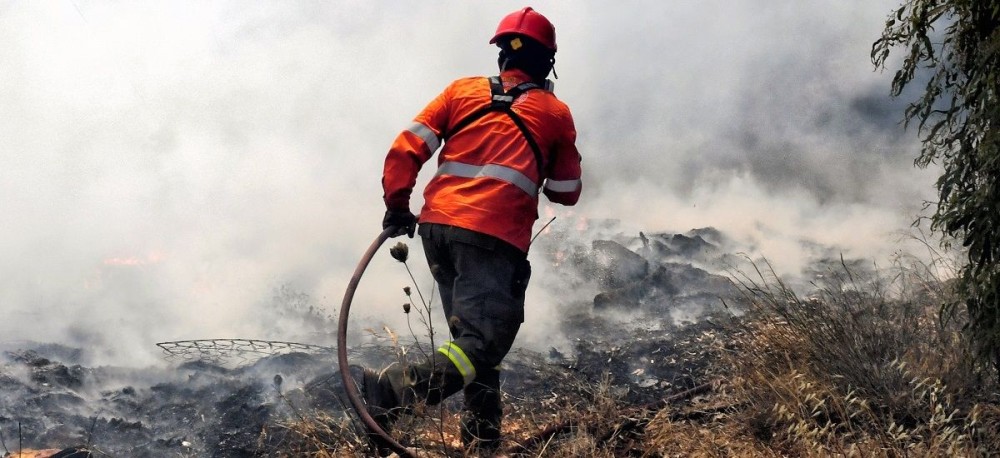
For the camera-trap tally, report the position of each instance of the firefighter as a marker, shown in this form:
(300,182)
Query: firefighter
(506,140)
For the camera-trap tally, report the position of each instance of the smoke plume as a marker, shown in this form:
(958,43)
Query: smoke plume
(171,170)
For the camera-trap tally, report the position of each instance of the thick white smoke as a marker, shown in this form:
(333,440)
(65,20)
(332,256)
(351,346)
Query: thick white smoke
(168,166)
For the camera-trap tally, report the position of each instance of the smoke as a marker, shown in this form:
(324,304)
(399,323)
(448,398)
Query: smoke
(169,166)
(764,119)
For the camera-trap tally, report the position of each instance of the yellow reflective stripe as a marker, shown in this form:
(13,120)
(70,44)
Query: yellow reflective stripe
(458,358)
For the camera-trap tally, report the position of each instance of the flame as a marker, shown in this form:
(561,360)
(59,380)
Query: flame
(132,261)
(153,257)
(27,453)
(96,279)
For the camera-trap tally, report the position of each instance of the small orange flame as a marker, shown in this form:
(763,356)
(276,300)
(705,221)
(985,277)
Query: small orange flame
(153,257)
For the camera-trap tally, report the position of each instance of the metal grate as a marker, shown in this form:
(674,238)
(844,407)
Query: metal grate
(232,352)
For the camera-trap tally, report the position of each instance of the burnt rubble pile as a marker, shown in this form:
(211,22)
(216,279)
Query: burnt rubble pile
(659,310)
(657,275)
(195,409)
(653,327)
(643,368)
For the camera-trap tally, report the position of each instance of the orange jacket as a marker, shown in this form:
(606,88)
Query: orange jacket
(487,179)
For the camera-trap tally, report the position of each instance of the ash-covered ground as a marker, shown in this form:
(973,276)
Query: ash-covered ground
(646,312)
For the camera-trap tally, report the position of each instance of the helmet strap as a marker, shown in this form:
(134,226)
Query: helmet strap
(502,61)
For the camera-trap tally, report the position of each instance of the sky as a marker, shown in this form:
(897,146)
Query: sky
(178,170)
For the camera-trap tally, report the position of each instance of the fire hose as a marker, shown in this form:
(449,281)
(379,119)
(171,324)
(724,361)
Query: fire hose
(349,384)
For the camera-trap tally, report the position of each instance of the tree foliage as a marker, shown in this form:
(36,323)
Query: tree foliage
(955,46)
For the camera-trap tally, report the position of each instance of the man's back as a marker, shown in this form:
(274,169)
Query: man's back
(505,141)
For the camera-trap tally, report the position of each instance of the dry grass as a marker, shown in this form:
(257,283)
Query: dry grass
(719,437)
(320,436)
(864,367)
(861,366)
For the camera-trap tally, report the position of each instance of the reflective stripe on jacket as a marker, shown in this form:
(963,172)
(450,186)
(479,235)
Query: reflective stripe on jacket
(487,178)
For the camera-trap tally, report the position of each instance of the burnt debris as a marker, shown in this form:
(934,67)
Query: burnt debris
(662,273)
(654,328)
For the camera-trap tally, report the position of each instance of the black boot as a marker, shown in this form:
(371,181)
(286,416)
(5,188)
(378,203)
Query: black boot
(380,400)
(379,395)
(431,381)
(393,391)
(483,413)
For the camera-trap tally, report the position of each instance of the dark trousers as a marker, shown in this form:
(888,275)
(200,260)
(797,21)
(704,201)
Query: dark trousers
(482,281)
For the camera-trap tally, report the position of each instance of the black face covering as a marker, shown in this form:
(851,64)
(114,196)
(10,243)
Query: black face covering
(530,56)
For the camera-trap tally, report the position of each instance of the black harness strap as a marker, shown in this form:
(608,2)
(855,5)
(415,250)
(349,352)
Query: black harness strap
(501,101)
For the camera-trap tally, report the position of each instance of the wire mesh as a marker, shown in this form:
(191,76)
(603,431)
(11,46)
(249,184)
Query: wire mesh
(232,352)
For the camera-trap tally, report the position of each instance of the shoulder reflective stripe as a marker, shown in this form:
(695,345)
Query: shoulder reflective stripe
(430,139)
(562,185)
(524,87)
(497,171)
(460,360)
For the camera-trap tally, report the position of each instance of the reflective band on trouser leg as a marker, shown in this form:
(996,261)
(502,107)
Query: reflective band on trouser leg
(562,185)
(427,135)
(497,171)
(458,358)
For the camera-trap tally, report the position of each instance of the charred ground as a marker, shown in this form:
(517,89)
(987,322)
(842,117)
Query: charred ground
(667,355)
(217,404)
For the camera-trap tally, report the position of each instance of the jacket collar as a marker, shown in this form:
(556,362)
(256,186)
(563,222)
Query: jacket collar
(515,75)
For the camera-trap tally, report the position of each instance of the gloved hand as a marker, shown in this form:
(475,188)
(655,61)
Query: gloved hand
(404,220)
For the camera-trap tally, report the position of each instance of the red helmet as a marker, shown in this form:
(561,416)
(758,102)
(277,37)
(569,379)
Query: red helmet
(529,23)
